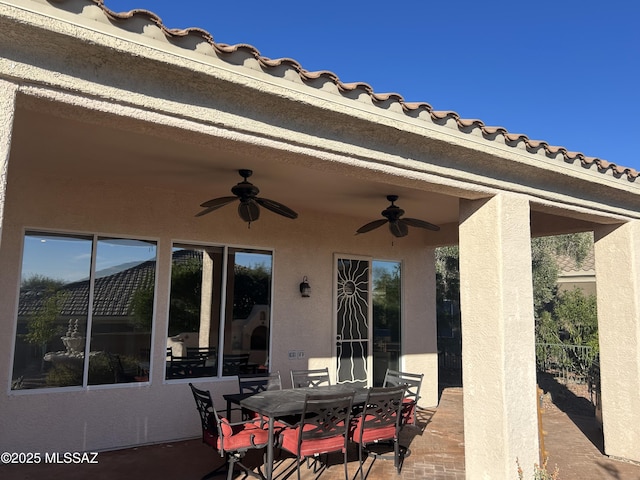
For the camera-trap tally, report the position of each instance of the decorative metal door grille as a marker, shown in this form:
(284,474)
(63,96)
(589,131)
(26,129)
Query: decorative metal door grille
(352,321)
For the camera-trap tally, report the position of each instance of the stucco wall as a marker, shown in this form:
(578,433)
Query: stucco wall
(122,415)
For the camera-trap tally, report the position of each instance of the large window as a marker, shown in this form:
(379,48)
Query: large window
(82,294)
(219,311)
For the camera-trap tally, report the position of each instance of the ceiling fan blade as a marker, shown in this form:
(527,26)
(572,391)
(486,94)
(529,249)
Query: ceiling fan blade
(276,207)
(249,211)
(218,202)
(206,210)
(414,222)
(399,228)
(371,226)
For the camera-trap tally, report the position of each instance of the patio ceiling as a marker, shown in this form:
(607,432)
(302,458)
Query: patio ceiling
(132,152)
(179,160)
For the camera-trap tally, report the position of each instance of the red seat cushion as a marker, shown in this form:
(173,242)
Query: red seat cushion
(371,434)
(310,447)
(242,437)
(408,409)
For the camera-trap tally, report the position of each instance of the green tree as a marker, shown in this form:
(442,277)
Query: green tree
(42,325)
(576,314)
(544,253)
(386,300)
(251,287)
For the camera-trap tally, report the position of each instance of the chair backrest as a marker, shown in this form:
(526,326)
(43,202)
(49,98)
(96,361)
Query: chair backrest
(209,419)
(325,416)
(310,378)
(249,383)
(201,352)
(412,382)
(383,412)
(184,367)
(233,364)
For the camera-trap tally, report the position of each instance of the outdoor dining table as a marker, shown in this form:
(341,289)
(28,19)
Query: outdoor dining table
(289,402)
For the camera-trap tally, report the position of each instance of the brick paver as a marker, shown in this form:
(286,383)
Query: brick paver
(437,452)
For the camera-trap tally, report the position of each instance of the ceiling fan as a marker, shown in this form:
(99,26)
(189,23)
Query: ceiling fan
(399,226)
(250,203)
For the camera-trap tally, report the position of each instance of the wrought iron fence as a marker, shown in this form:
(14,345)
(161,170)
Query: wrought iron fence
(569,363)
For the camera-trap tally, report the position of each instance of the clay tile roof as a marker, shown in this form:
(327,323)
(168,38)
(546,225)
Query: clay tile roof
(464,125)
(567,264)
(113,295)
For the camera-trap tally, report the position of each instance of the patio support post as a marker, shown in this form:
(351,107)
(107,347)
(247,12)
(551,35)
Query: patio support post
(7,114)
(498,341)
(617,262)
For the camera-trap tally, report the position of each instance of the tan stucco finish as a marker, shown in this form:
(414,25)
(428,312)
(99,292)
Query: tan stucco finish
(134,132)
(498,336)
(618,265)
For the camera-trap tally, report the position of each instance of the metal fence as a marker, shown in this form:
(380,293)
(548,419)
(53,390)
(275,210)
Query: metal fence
(568,363)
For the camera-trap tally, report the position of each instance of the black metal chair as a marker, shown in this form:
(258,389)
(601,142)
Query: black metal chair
(323,428)
(235,363)
(380,421)
(119,373)
(231,440)
(186,367)
(310,378)
(412,382)
(250,384)
(202,352)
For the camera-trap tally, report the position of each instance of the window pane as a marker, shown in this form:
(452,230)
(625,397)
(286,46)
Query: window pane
(52,311)
(194,311)
(386,318)
(123,299)
(248,311)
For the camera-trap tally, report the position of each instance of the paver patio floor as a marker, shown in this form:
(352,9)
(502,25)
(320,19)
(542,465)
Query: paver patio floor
(573,443)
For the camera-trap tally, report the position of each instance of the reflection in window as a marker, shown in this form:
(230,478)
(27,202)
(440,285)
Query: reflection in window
(386,318)
(61,278)
(201,344)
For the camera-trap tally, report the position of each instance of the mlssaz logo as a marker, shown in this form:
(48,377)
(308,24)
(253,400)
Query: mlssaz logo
(71,457)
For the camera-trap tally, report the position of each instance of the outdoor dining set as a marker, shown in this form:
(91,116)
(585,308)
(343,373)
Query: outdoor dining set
(310,420)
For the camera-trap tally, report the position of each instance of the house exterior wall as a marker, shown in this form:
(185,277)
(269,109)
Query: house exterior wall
(122,415)
(67,60)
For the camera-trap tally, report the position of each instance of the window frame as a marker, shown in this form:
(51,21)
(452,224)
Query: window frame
(94,238)
(225,248)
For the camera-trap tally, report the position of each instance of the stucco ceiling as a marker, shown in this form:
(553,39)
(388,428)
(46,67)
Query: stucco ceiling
(55,139)
(157,157)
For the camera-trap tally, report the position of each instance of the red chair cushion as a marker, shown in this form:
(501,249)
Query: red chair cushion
(244,437)
(371,434)
(310,447)
(408,409)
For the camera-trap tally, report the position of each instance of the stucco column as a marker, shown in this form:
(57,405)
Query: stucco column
(498,341)
(420,331)
(617,256)
(7,113)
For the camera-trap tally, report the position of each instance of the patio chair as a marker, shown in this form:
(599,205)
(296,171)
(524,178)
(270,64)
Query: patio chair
(202,352)
(186,367)
(310,378)
(119,373)
(380,421)
(323,428)
(255,383)
(231,440)
(234,364)
(412,382)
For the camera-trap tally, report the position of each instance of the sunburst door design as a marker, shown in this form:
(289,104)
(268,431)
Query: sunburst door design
(352,320)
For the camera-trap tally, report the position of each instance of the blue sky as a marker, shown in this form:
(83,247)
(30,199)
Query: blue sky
(562,71)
